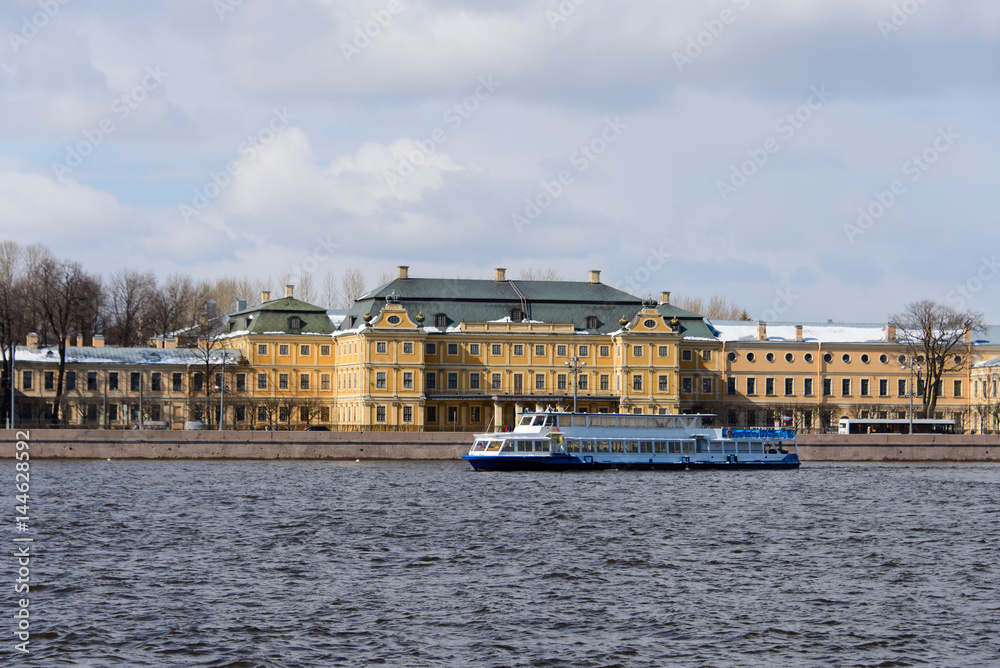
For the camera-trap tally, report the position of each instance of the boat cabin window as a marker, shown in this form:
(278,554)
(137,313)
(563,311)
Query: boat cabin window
(579,420)
(617,446)
(730,446)
(646,447)
(631,446)
(744,446)
(549,421)
(524,446)
(494,446)
(541,446)
(602,446)
(769,449)
(756,446)
(687,446)
(508,446)
(525,421)
(479,446)
(675,447)
(715,446)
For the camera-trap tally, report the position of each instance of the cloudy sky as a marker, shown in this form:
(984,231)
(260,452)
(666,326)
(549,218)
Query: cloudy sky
(809,159)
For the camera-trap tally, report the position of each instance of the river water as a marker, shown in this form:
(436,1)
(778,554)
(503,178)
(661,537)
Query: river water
(245,564)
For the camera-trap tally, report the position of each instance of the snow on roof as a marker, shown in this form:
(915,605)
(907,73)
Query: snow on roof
(115,355)
(737,330)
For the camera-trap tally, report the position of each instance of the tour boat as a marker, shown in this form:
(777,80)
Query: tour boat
(563,441)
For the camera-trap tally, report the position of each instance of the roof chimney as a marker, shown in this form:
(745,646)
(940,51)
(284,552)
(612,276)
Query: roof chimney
(890,333)
(98,340)
(501,274)
(289,289)
(170,342)
(265,296)
(762,331)
(32,340)
(595,275)
(404,272)
(665,297)
(798,332)
(241,304)
(79,341)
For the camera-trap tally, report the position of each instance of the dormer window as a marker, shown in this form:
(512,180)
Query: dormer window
(295,323)
(440,320)
(516,315)
(591,322)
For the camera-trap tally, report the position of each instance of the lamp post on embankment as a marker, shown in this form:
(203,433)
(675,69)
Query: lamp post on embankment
(909,364)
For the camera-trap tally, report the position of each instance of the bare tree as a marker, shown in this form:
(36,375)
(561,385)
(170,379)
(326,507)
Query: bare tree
(329,290)
(171,305)
(305,289)
(539,274)
(352,286)
(935,333)
(13,315)
(130,302)
(719,307)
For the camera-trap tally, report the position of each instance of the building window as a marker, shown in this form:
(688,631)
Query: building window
(261,348)
(636,351)
(706,385)
(518,350)
(50,380)
(473,348)
(303,414)
(751,386)
(452,348)
(591,322)
(769,387)
(685,355)
(304,350)
(883,387)
(560,351)
(176,382)
(283,349)
(475,415)
(380,380)
(789,387)
(496,350)
(901,387)
(282,381)
(113,413)
(604,351)
(731,388)
(807,386)
(284,413)
(706,355)
(561,381)
(440,320)
(324,381)
(495,381)
(432,414)
(408,348)
(380,413)
(431,349)
(452,414)
(845,387)
(407,414)
(605,382)
(197,382)
(663,351)
(452,381)
(261,381)
(295,323)
(637,382)
(581,382)
(474,380)
(133,381)
(864,387)
(516,315)
(407,380)
(113,380)
(958,388)
(381,347)
(70,381)
(430,380)
(26,379)
(324,350)
(664,383)
(539,381)
(91,381)
(827,387)
(686,386)
(155,382)
(304,381)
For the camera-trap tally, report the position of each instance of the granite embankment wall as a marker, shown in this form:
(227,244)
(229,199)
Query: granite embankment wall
(109,444)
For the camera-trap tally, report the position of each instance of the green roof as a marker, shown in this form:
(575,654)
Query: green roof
(276,316)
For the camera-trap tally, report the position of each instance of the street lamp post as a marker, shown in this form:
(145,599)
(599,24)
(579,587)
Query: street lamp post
(909,365)
(574,364)
(222,394)
(13,352)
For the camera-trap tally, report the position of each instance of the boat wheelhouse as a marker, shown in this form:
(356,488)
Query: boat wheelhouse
(563,441)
